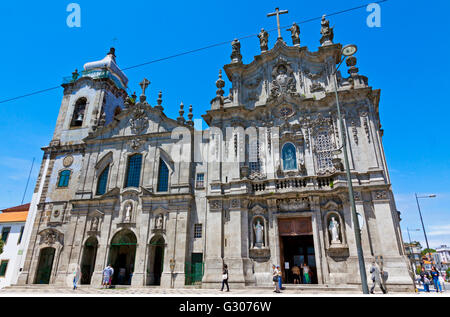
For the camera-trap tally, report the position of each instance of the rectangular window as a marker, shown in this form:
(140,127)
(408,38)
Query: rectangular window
(5,233)
(3,267)
(200,182)
(21,234)
(163,177)
(133,178)
(198,230)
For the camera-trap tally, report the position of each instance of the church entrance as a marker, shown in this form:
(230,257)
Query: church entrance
(156,260)
(88,260)
(297,250)
(44,270)
(122,255)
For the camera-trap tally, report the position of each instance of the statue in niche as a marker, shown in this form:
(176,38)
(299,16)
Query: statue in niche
(333,228)
(94,225)
(159,221)
(289,157)
(263,40)
(259,234)
(128,212)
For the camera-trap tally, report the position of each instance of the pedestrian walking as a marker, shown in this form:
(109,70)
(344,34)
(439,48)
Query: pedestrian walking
(426,283)
(275,277)
(296,274)
(376,278)
(280,278)
(107,276)
(76,277)
(442,282)
(225,277)
(384,277)
(435,276)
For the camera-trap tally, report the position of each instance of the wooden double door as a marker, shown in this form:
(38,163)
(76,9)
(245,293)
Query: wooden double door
(297,248)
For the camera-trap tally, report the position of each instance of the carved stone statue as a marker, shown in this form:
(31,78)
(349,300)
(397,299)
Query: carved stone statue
(259,234)
(263,40)
(236,56)
(333,228)
(128,213)
(295,34)
(159,221)
(289,159)
(94,225)
(327,32)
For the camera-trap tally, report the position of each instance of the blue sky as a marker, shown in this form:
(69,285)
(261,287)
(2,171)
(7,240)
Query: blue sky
(407,57)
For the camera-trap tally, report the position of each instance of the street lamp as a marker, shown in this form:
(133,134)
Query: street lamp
(347,51)
(421,219)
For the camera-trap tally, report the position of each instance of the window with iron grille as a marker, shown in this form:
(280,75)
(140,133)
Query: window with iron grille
(324,149)
(200,182)
(163,177)
(198,230)
(64,177)
(133,178)
(102,181)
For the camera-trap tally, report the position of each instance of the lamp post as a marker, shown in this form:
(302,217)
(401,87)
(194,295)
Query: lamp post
(347,51)
(421,219)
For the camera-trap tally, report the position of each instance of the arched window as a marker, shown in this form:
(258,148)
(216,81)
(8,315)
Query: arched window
(133,177)
(64,177)
(289,157)
(78,113)
(102,181)
(163,177)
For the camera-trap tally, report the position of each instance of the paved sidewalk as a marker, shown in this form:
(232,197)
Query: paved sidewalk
(66,291)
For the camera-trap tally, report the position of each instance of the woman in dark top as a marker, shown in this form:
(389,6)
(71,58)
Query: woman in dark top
(225,278)
(435,276)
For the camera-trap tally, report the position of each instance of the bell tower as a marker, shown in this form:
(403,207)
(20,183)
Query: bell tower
(91,97)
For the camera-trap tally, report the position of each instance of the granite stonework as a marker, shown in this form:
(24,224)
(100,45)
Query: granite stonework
(286,94)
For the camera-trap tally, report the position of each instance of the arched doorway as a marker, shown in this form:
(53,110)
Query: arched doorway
(45,265)
(121,256)
(88,260)
(156,260)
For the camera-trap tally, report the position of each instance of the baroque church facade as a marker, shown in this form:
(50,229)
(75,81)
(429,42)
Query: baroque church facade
(165,204)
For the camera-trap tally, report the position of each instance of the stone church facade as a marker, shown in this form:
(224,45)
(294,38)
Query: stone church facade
(165,204)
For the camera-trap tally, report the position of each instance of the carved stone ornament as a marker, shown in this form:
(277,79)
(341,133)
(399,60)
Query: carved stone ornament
(293,204)
(235,203)
(380,195)
(50,237)
(283,82)
(139,120)
(68,161)
(215,204)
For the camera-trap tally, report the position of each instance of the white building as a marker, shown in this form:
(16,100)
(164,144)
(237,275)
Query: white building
(12,224)
(442,257)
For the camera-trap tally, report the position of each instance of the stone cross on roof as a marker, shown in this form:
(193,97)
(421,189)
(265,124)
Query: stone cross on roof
(277,13)
(144,84)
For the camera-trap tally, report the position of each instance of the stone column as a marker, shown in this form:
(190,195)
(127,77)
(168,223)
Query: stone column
(236,248)
(394,263)
(176,250)
(319,245)
(212,277)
